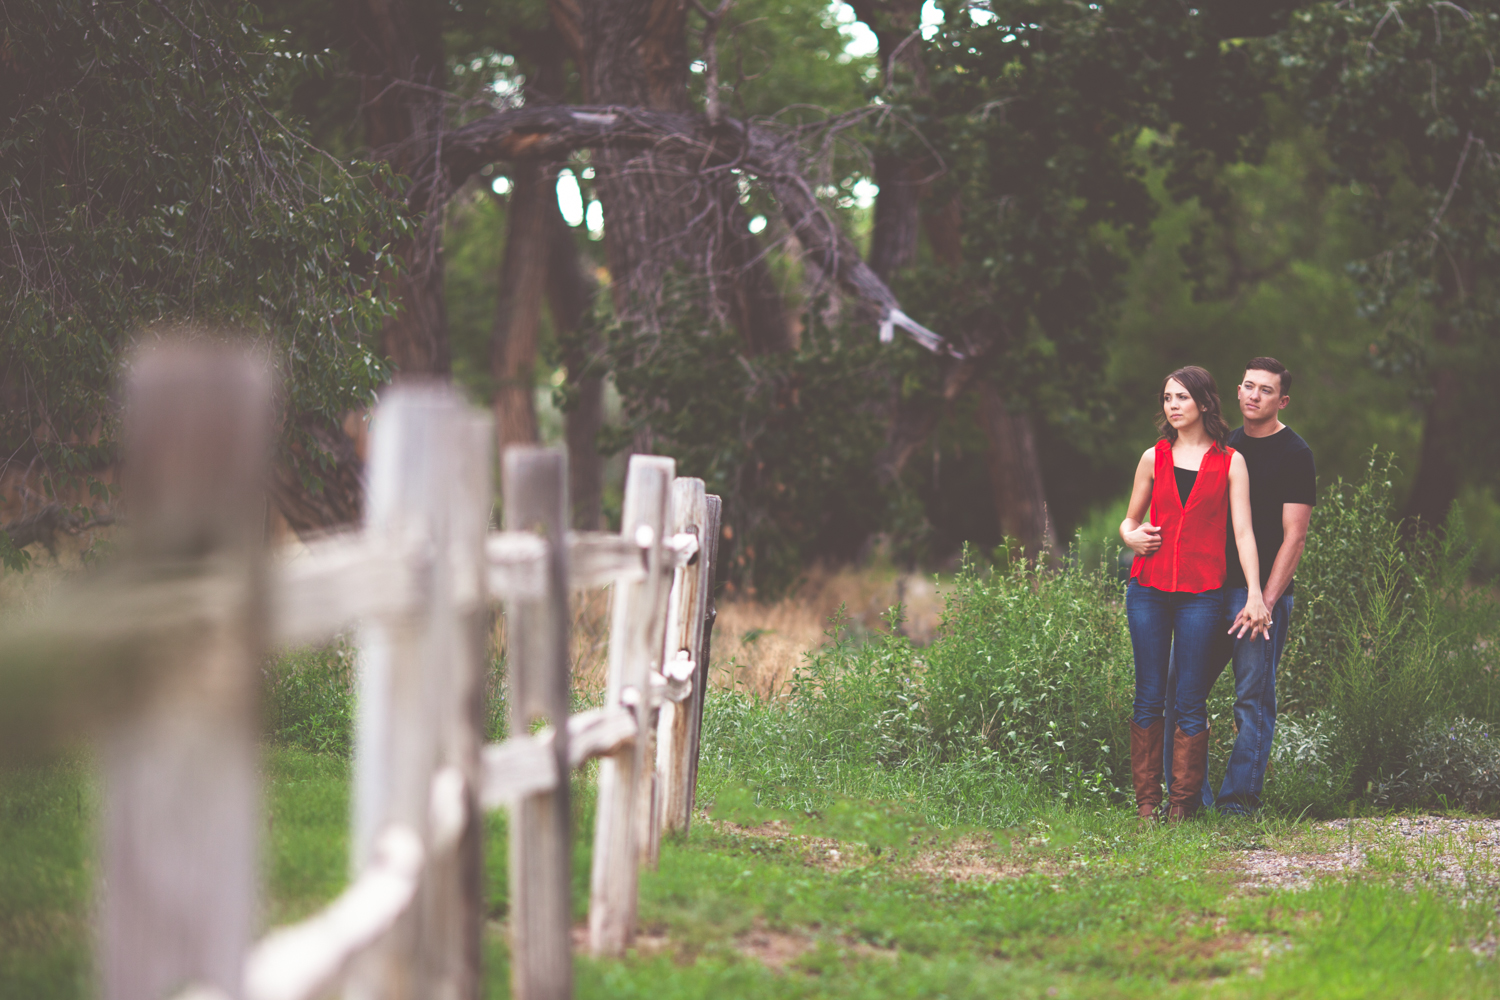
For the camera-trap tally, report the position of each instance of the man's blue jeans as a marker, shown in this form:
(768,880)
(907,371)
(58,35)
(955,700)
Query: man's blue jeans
(1159,622)
(1255,662)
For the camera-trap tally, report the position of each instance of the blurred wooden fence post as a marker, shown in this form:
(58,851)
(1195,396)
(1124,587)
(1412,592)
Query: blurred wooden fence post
(637,630)
(179,860)
(684,647)
(535,484)
(713,518)
(414,714)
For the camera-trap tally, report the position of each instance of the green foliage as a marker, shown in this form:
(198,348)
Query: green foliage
(1036,109)
(1407,96)
(784,58)
(1387,632)
(1035,665)
(308,696)
(1266,275)
(149,182)
(1454,765)
(1305,778)
(46,817)
(788,440)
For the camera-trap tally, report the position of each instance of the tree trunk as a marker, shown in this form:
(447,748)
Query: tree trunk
(396,48)
(1435,486)
(1015,475)
(914,420)
(518,312)
(570,295)
(893,241)
(661,212)
(340,497)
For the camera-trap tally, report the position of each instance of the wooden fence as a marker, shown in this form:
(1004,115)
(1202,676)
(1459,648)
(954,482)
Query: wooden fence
(159,661)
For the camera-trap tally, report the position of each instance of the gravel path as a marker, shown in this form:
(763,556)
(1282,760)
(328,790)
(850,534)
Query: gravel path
(1460,851)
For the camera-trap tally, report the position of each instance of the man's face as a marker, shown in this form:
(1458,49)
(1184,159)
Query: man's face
(1260,395)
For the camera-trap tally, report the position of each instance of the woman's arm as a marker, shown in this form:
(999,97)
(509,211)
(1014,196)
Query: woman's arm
(1255,616)
(1143,539)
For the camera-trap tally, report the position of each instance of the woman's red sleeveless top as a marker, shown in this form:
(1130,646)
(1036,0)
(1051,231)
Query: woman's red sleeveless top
(1191,557)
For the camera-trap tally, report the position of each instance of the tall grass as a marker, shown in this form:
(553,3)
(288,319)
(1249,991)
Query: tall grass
(1029,680)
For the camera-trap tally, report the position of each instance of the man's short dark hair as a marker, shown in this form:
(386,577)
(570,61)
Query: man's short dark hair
(1275,368)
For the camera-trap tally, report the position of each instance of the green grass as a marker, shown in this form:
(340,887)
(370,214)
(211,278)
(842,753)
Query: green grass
(1079,904)
(45,880)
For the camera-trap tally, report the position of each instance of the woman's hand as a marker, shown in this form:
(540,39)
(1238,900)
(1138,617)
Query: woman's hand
(1143,539)
(1254,618)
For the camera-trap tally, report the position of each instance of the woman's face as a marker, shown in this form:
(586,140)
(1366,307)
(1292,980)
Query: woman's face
(1178,404)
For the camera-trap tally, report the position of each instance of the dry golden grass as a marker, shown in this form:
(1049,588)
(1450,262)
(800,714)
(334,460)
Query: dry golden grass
(759,646)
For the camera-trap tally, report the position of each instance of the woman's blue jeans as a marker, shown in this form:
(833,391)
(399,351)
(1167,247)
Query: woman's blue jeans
(1255,662)
(1160,621)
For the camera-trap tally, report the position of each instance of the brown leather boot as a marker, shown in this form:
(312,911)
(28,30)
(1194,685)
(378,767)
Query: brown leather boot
(1146,767)
(1189,768)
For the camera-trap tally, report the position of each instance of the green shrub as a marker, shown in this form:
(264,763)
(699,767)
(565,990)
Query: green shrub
(1035,665)
(864,698)
(1387,633)
(1374,602)
(1305,777)
(309,698)
(1454,764)
(1030,672)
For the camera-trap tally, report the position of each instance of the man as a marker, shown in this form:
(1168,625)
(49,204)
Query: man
(1283,490)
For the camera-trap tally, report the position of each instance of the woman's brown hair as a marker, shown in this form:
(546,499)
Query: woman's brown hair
(1200,385)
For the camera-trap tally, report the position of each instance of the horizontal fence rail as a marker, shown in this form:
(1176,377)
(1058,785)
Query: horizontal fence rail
(158,659)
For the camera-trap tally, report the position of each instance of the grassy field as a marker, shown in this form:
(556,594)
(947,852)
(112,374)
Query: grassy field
(936,807)
(864,898)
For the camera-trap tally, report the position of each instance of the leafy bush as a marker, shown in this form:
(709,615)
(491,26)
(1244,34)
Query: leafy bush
(1031,670)
(309,698)
(1386,632)
(1035,665)
(864,697)
(1360,571)
(1453,764)
(1305,776)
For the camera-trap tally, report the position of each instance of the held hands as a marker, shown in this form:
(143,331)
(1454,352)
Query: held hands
(1254,618)
(1143,539)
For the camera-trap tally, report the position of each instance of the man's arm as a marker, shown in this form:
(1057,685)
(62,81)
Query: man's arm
(1294,518)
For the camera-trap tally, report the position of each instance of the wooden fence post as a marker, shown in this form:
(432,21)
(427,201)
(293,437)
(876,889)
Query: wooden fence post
(535,484)
(684,644)
(637,627)
(179,864)
(455,918)
(709,553)
(428,492)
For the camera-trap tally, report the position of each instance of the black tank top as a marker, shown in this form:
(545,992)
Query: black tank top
(1185,480)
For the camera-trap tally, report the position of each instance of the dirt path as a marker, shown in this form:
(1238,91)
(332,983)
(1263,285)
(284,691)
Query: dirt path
(1463,852)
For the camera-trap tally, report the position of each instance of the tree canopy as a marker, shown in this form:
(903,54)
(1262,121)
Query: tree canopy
(1053,201)
(152,178)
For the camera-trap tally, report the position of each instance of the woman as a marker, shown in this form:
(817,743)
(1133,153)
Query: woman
(1175,598)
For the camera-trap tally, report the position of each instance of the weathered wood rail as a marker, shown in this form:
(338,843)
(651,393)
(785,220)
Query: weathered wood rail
(158,661)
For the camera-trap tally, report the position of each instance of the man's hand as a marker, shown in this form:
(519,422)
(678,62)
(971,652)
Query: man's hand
(1254,618)
(1143,539)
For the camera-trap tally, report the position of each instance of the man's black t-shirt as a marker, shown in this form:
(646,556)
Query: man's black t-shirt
(1281,471)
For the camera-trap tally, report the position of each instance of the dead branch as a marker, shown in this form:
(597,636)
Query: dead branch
(51,520)
(771,154)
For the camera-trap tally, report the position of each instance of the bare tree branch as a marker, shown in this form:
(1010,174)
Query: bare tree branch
(773,155)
